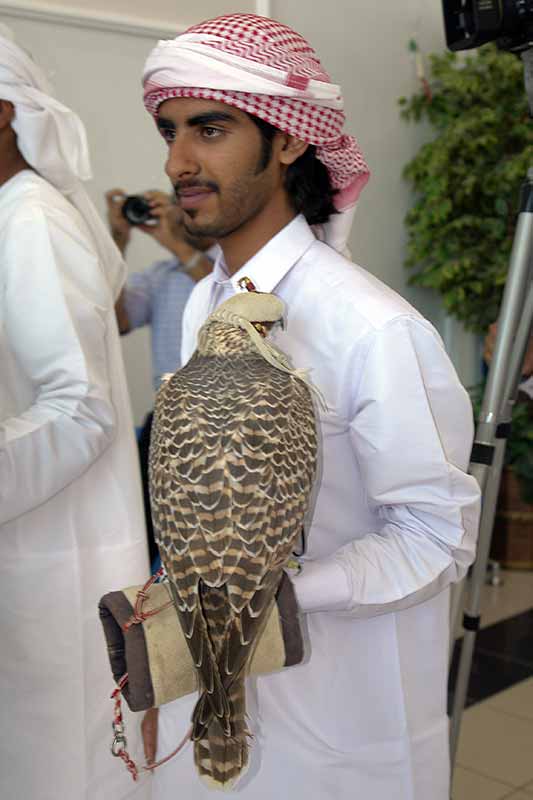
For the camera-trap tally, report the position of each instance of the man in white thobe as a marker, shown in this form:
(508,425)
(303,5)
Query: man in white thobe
(257,157)
(71,517)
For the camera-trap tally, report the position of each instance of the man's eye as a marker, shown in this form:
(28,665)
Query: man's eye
(168,134)
(211,133)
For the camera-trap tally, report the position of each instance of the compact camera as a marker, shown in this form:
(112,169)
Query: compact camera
(471,23)
(136,209)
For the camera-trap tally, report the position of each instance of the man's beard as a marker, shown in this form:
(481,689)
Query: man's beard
(240,203)
(218,229)
(199,241)
(235,199)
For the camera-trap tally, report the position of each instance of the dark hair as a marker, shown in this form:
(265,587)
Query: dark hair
(307,180)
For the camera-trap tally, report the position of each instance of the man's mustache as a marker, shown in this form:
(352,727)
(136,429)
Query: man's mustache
(195,184)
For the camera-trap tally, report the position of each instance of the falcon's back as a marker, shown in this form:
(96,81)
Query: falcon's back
(232,463)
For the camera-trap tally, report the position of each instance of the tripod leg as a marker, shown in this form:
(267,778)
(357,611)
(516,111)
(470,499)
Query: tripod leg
(457,599)
(514,329)
(471,617)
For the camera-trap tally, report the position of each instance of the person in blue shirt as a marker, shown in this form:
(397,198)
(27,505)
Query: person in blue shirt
(157,297)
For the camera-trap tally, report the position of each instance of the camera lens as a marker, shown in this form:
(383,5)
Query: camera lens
(136,210)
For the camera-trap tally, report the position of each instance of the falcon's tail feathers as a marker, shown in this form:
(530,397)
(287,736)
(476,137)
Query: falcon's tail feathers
(221,759)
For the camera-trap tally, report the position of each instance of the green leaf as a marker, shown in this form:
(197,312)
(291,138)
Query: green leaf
(466,179)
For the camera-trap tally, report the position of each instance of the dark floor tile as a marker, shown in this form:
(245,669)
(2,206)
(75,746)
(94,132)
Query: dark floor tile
(503,656)
(490,674)
(512,638)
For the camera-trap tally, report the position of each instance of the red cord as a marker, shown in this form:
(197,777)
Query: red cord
(120,743)
(139,615)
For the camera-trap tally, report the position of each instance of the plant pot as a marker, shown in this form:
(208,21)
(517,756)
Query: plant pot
(512,538)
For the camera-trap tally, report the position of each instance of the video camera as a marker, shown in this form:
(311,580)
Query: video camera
(471,23)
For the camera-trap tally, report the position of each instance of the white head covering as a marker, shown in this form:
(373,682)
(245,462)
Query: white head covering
(52,139)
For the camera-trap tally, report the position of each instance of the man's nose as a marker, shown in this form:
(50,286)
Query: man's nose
(181,162)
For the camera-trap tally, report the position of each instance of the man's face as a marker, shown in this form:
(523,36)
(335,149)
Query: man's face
(215,165)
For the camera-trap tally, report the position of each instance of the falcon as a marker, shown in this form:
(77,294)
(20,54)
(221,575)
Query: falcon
(232,465)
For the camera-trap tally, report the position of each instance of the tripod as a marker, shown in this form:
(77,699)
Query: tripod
(493,428)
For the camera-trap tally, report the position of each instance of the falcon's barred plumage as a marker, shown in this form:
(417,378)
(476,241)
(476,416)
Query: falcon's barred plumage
(232,464)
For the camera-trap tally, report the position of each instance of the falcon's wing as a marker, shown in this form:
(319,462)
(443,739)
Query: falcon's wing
(233,458)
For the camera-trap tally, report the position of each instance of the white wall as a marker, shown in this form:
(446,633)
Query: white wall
(155,11)
(363,44)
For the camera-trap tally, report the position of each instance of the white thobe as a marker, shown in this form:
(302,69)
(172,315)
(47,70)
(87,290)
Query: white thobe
(394,522)
(71,516)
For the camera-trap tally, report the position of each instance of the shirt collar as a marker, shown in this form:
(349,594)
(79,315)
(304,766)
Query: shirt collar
(268,266)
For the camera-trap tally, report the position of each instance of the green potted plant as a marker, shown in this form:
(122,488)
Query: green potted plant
(466,181)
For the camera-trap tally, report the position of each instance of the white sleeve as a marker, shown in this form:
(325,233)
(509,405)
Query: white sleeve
(57,311)
(411,430)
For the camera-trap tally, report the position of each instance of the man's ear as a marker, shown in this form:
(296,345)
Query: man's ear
(7,113)
(292,148)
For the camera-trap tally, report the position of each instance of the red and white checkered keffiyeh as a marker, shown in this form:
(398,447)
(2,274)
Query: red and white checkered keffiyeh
(263,67)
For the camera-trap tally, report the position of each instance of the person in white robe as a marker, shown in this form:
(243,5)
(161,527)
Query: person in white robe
(395,516)
(71,515)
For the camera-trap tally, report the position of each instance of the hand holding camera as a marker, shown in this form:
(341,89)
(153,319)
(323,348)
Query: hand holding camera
(152,212)
(119,225)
